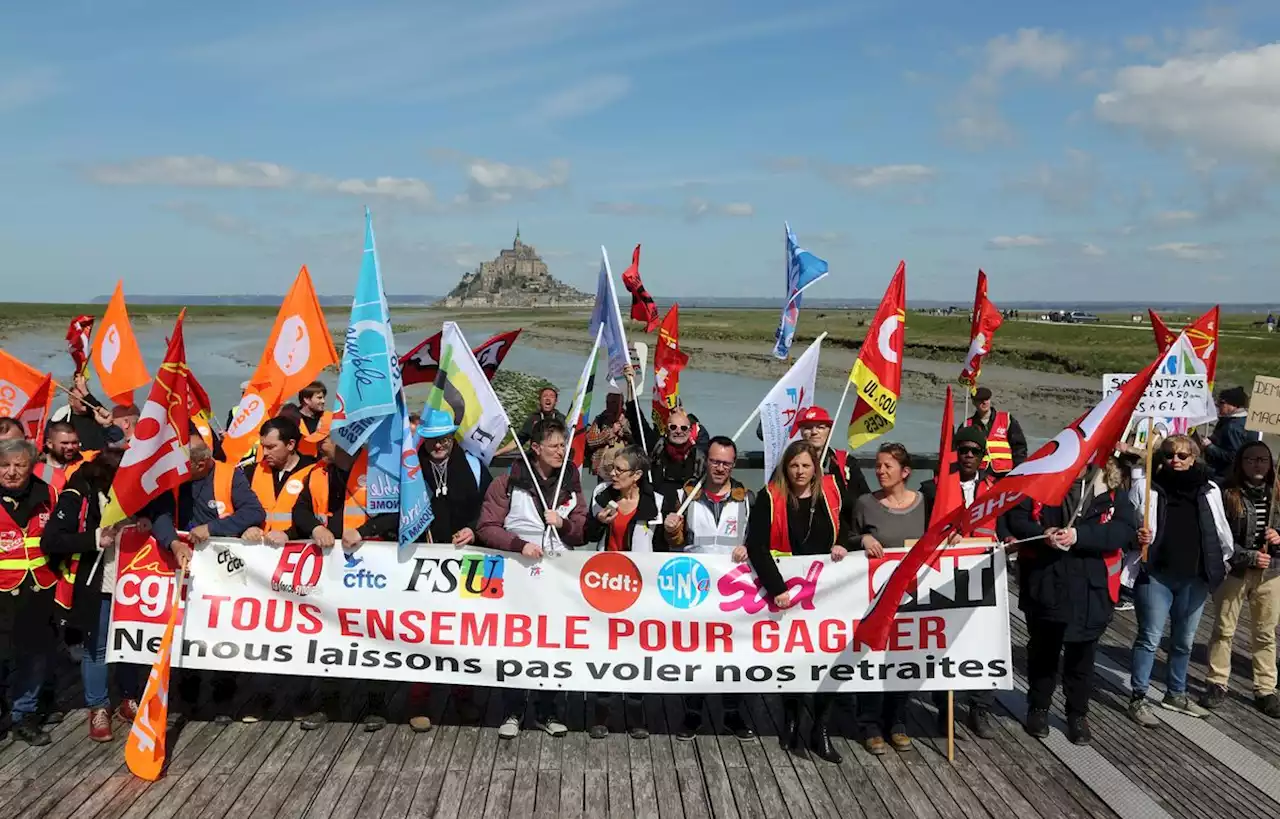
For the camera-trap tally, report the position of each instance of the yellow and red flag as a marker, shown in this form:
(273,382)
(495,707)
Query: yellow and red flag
(34,417)
(115,352)
(156,460)
(1202,333)
(144,748)
(668,361)
(18,382)
(298,350)
(877,374)
(982,328)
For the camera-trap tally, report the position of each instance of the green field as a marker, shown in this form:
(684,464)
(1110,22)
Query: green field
(1079,349)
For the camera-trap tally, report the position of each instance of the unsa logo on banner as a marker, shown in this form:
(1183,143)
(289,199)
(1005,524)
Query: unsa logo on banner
(610,582)
(684,582)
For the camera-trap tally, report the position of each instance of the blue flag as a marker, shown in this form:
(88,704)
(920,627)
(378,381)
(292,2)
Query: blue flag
(803,270)
(606,314)
(369,382)
(394,482)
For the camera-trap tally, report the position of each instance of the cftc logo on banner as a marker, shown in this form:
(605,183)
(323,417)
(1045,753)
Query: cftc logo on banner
(684,582)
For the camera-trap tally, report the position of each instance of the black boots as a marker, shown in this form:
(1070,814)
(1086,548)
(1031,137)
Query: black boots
(790,737)
(819,736)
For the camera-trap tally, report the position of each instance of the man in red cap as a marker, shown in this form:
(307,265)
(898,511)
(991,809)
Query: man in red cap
(815,428)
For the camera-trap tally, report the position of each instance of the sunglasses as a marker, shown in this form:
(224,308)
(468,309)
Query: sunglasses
(678,427)
(969,450)
(1182,456)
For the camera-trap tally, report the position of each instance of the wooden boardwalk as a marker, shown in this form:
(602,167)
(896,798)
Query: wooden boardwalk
(1208,770)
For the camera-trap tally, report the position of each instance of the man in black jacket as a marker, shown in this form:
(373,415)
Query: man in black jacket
(1229,435)
(1068,583)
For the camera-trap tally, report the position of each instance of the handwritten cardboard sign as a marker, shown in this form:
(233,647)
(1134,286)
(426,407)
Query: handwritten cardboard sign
(1180,395)
(1264,405)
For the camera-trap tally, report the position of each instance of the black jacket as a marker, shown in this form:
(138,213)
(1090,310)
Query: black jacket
(460,508)
(1215,570)
(1071,587)
(646,510)
(72,530)
(1227,439)
(1244,529)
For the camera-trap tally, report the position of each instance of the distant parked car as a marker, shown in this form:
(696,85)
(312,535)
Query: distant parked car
(1078,317)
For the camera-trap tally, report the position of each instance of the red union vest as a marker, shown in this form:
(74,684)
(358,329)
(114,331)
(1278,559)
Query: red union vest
(779,534)
(310,443)
(999,455)
(1114,561)
(20,553)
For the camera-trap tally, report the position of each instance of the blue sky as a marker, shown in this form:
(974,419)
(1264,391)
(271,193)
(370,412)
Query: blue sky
(1076,150)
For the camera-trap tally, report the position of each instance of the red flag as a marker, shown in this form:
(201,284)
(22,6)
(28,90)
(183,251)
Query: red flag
(420,365)
(1202,333)
(982,328)
(877,372)
(642,306)
(948,495)
(78,334)
(668,361)
(35,415)
(1045,477)
(156,460)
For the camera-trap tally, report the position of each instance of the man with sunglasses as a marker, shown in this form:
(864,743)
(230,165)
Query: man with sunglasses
(676,456)
(970,446)
(715,522)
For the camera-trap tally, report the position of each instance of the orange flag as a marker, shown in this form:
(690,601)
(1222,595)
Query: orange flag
(298,349)
(35,415)
(144,749)
(877,374)
(115,352)
(18,382)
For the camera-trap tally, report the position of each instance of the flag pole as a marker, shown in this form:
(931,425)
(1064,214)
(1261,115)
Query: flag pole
(754,414)
(617,312)
(839,411)
(1146,499)
(568,444)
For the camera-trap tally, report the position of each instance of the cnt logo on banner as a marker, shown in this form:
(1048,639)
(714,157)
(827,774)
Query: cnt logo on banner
(579,621)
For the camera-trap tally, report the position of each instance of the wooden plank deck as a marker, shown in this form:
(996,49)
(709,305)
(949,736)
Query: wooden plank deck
(273,769)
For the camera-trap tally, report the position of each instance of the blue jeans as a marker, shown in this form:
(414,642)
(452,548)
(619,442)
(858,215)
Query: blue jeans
(1156,600)
(93,668)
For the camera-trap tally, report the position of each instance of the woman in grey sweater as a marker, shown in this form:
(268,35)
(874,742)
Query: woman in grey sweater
(887,518)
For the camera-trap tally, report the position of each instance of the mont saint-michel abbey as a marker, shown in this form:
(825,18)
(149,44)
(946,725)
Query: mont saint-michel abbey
(517,277)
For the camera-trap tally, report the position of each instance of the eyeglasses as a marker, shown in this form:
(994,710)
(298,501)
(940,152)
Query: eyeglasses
(722,464)
(1182,456)
(678,428)
(969,450)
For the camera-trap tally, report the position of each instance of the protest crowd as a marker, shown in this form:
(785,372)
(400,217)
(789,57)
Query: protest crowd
(1168,525)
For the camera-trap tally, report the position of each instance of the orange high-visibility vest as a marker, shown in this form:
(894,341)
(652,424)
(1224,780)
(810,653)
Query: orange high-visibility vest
(20,553)
(355,511)
(310,443)
(280,509)
(780,535)
(57,476)
(223,476)
(999,454)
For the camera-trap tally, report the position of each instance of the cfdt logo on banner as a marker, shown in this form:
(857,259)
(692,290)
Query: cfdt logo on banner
(684,582)
(610,582)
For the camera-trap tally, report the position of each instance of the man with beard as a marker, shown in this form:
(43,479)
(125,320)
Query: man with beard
(62,455)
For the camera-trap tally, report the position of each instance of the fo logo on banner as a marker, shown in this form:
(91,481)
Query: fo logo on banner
(684,582)
(610,582)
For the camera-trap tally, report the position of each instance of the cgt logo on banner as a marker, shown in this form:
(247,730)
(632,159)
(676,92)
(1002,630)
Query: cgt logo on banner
(594,621)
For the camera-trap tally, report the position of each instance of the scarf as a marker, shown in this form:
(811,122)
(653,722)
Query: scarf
(678,452)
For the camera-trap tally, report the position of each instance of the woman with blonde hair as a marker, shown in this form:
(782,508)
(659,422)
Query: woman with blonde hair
(1189,544)
(798,513)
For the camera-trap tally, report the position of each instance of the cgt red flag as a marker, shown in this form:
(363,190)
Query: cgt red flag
(668,361)
(642,306)
(982,328)
(156,460)
(949,495)
(421,364)
(79,333)
(1045,477)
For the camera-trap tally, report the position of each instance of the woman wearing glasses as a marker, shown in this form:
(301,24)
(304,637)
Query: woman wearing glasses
(1189,544)
(627,516)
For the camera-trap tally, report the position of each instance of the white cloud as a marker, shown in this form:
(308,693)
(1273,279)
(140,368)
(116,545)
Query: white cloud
(27,87)
(857,177)
(207,172)
(1221,103)
(582,99)
(694,209)
(626,209)
(738,209)
(1172,217)
(1189,251)
(1021,240)
(1090,249)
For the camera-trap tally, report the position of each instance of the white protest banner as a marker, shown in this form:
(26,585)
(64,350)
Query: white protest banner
(1264,405)
(582,621)
(1178,395)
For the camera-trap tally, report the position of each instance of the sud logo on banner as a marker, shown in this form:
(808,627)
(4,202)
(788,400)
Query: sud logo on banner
(582,621)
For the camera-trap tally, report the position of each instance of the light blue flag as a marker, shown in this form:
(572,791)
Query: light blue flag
(606,314)
(803,271)
(394,481)
(369,382)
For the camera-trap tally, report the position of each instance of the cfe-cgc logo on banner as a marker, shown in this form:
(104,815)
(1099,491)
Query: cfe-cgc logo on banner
(470,575)
(610,582)
(355,576)
(684,582)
